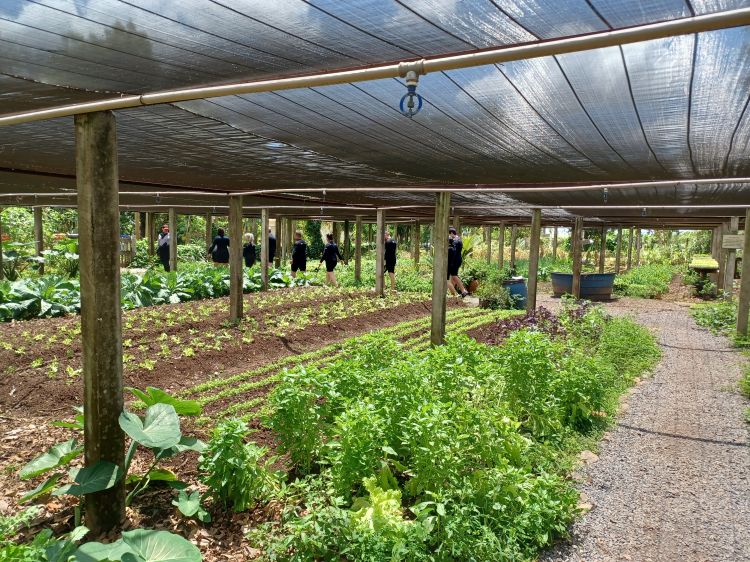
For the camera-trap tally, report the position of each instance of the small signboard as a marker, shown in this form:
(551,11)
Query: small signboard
(732,241)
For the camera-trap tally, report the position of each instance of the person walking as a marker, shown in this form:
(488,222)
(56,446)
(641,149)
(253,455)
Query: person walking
(299,254)
(390,258)
(162,248)
(331,255)
(457,261)
(219,249)
(451,260)
(248,250)
(271,247)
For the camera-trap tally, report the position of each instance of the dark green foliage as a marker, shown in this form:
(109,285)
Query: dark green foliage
(645,281)
(720,316)
(314,239)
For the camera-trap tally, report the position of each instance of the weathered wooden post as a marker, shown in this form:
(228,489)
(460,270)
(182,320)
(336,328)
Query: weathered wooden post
(347,241)
(554,244)
(101,336)
(536,232)
(136,234)
(638,246)
(264,249)
(281,243)
(380,253)
(358,248)
(630,249)
(488,241)
(513,240)
(2,271)
(730,255)
(576,245)
(150,232)
(744,304)
(618,252)
(39,235)
(501,245)
(209,230)
(440,267)
(172,239)
(235,258)
(417,235)
(602,248)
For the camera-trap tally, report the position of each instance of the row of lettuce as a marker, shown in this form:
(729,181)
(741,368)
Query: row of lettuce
(458,452)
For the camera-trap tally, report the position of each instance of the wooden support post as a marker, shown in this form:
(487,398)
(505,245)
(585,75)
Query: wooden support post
(101,330)
(172,239)
(150,232)
(235,258)
(264,249)
(416,244)
(630,249)
(618,251)
(280,242)
(39,235)
(501,245)
(730,255)
(440,267)
(576,246)
(513,240)
(638,246)
(347,241)
(554,244)
(358,248)
(602,248)
(744,304)
(2,271)
(290,228)
(536,232)
(488,241)
(209,230)
(136,233)
(380,254)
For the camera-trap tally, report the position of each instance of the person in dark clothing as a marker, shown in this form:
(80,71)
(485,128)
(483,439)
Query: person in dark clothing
(451,261)
(458,260)
(331,255)
(271,248)
(162,248)
(248,250)
(299,254)
(219,249)
(390,258)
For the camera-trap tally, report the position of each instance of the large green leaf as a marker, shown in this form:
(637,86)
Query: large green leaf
(43,488)
(157,396)
(186,444)
(141,545)
(58,455)
(160,429)
(101,475)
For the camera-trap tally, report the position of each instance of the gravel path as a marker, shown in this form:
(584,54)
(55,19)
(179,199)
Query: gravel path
(672,482)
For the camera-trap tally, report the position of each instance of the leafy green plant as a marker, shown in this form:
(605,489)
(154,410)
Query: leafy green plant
(720,317)
(190,505)
(645,281)
(141,545)
(233,470)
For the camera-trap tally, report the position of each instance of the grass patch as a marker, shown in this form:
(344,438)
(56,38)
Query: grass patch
(645,281)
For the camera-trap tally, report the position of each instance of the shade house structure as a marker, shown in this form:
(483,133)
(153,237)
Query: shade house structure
(596,113)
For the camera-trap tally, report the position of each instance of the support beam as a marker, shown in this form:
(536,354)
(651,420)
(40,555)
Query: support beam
(577,234)
(536,232)
(602,248)
(358,248)
(488,241)
(101,329)
(280,242)
(136,233)
(501,245)
(730,255)
(440,267)
(618,251)
(235,258)
(209,229)
(744,305)
(513,241)
(380,254)
(554,244)
(347,241)
(39,235)
(416,243)
(630,250)
(150,233)
(264,249)
(638,246)
(172,239)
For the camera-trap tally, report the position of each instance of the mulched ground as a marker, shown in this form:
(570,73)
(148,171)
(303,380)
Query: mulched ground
(672,479)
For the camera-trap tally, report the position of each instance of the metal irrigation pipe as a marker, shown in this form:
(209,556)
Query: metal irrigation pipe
(596,40)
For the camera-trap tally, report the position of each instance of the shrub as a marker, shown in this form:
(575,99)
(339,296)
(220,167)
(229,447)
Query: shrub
(720,317)
(233,470)
(645,281)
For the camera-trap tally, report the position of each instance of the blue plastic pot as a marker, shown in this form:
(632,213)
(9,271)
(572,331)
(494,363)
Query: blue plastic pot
(594,286)
(517,287)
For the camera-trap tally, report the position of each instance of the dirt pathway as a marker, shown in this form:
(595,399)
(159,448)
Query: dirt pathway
(672,482)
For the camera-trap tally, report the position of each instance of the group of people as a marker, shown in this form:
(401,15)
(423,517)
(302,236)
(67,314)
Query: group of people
(219,253)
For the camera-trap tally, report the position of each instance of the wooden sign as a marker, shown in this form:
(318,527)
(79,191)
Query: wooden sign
(733,241)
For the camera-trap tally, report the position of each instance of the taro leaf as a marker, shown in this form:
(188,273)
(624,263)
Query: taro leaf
(157,396)
(58,455)
(188,504)
(99,476)
(160,429)
(186,444)
(77,422)
(141,545)
(43,488)
(162,475)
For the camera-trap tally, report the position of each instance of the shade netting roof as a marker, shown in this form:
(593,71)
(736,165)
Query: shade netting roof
(672,108)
